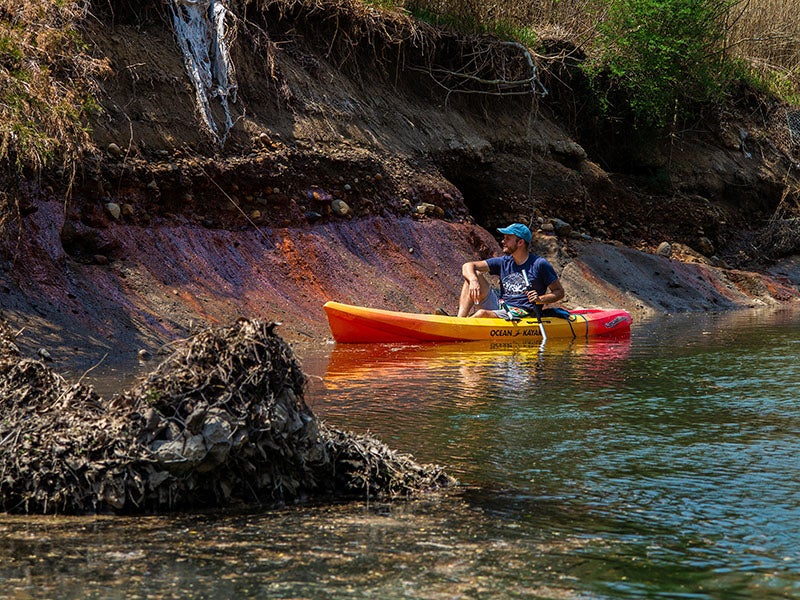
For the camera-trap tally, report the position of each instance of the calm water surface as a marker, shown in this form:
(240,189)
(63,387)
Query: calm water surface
(660,466)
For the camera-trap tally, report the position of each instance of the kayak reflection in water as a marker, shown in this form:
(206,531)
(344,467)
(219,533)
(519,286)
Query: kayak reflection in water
(527,281)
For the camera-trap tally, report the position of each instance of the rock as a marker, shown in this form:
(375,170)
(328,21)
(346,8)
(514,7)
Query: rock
(127,210)
(152,420)
(318,196)
(312,216)
(705,246)
(157,478)
(114,210)
(44,354)
(114,150)
(78,239)
(101,259)
(568,149)
(340,208)
(561,228)
(664,249)
(217,435)
(144,355)
(197,417)
(168,453)
(547,227)
(429,210)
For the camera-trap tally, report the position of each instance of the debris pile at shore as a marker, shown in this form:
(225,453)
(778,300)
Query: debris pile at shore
(222,420)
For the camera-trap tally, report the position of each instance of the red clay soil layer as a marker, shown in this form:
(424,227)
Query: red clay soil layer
(169,279)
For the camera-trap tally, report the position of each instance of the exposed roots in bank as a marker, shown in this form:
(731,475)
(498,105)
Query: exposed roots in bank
(222,420)
(781,235)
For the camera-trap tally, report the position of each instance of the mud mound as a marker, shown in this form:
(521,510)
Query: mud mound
(222,420)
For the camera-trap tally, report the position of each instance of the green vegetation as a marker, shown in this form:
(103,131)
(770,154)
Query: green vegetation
(503,29)
(46,84)
(662,55)
(651,61)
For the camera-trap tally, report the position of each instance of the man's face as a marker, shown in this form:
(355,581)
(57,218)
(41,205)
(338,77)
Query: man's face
(510,243)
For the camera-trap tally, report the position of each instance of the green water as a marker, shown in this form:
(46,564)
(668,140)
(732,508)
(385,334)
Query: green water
(662,466)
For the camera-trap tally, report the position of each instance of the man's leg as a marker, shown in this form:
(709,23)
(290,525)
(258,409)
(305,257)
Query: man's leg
(465,303)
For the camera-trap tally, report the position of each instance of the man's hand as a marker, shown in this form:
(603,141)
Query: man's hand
(475,284)
(475,291)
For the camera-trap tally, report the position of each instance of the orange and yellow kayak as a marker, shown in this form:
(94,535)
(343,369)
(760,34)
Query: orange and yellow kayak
(357,324)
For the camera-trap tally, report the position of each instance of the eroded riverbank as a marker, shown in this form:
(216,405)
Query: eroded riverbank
(170,278)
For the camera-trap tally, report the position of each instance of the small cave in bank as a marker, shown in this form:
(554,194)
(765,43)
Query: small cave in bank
(480,193)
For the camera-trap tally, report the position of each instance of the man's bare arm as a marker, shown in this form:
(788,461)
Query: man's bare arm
(555,292)
(471,271)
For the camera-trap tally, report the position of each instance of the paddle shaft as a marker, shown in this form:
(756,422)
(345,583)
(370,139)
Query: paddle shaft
(537,308)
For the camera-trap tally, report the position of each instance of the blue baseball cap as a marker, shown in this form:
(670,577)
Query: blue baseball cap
(517,229)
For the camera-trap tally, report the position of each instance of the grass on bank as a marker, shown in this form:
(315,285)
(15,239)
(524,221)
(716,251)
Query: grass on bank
(47,83)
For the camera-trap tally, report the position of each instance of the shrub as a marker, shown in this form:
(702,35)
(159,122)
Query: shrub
(660,57)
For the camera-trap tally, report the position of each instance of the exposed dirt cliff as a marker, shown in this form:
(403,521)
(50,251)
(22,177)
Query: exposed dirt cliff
(355,170)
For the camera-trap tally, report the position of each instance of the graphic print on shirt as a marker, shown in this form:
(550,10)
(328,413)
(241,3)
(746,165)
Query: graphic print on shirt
(514,284)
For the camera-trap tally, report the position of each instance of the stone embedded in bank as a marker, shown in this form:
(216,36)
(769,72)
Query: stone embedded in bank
(114,210)
(340,208)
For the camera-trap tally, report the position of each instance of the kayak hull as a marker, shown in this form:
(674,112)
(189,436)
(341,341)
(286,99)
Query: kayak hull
(358,324)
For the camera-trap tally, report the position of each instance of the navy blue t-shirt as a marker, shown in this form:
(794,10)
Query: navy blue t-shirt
(512,282)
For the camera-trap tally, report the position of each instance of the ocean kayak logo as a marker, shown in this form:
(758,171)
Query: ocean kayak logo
(514,332)
(617,320)
(503,333)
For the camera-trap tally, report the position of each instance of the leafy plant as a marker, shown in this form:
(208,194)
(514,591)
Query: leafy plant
(659,57)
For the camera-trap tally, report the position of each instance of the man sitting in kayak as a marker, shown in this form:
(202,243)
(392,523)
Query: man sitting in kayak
(525,280)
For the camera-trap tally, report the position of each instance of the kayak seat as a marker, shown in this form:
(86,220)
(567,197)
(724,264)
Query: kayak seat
(556,312)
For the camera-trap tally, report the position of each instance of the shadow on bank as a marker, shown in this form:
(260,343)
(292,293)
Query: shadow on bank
(222,421)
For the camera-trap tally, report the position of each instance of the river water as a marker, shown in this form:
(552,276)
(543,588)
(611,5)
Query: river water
(664,465)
